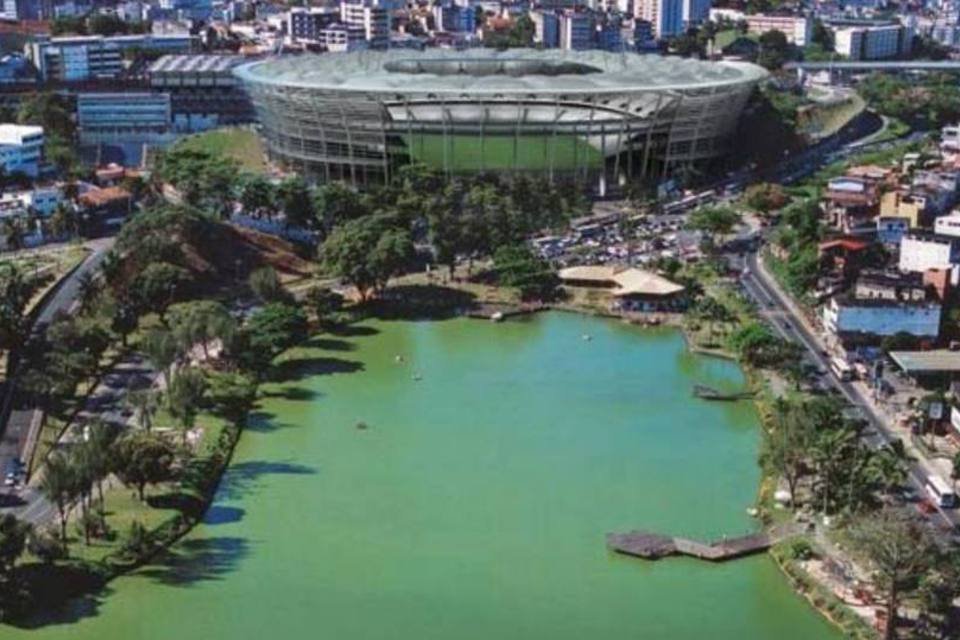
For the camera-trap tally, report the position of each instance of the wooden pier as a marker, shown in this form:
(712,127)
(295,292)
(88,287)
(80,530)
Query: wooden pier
(653,546)
(709,393)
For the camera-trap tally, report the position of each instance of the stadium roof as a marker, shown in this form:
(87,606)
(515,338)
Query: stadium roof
(487,71)
(195,63)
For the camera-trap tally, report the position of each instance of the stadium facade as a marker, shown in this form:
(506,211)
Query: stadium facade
(593,115)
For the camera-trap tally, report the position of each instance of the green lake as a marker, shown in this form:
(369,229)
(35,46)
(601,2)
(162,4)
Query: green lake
(474,505)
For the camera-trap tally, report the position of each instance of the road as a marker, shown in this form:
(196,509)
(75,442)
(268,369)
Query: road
(19,420)
(783,314)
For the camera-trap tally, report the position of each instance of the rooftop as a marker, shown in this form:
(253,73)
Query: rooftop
(934,361)
(194,63)
(626,281)
(488,70)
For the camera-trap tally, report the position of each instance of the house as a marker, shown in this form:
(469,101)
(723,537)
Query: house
(843,256)
(902,203)
(851,203)
(105,207)
(855,320)
(890,230)
(21,148)
(920,252)
(632,289)
(948,225)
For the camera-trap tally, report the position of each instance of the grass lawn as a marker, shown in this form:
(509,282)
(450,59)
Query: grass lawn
(469,153)
(823,120)
(243,145)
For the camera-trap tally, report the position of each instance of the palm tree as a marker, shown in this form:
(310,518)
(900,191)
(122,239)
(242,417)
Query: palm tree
(57,485)
(88,291)
(100,436)
(145,403)
(13,234)
(83,465)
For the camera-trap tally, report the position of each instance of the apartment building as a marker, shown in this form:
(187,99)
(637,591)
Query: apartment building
(82,58)
(872,41)
(666,16)
(797,29)
(21,149)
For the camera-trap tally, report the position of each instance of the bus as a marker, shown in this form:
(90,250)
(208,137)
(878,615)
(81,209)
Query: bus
(841,369)
(942,493)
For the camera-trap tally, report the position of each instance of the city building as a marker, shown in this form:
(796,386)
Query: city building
(304,24)
(890,230)
(21,149)
(851,319)
(42,201)
(546,28)
(576,30)
(666,16)
(203,91)
(903,204)
(871,41)
(82,58)
(372,19)
(129,117)
(695,11)
(851,203)
(948,225)
(455,18)
(797,28)
(593,114)
(920,252)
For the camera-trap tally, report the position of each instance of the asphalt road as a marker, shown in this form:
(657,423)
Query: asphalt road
(785,321)
(18,423)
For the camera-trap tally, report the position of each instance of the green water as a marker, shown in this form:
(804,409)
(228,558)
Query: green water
(475,504)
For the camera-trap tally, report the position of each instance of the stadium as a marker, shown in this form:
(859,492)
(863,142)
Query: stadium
(591,115)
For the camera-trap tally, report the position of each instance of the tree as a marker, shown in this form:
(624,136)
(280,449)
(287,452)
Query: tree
(900,551)
(714,221)
(158,285)
(336,204)
(258,197)
(63,222)
(518,266)
(232,395)
(144,403)
(278,326)
(162,350)
(266,285)
(57,484)
(774,49)
(367,252)
(184,397)
(765,197)
(12,231)
(295,201)
(50,111)
(14,295)
(786,447)
(96,448)
(106,24)
(143,458)
(201,322)
(13,542)
(324,302)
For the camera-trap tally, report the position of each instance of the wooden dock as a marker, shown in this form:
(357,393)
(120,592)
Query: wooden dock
(653,546)
(709,393)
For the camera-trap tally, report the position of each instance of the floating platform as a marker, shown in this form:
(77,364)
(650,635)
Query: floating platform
(653,546)
(709,393)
